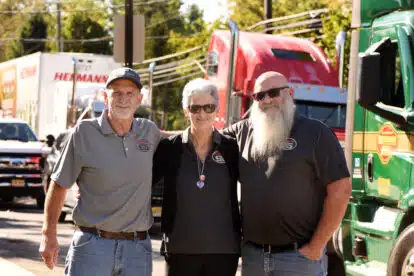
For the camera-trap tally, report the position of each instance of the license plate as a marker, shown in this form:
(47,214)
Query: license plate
(17,182)
(156,211)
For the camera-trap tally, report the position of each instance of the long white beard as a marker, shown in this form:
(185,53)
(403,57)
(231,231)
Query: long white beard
(271,128)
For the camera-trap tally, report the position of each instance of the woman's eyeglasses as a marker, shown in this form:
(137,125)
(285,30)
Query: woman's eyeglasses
(271,93)
(208,108)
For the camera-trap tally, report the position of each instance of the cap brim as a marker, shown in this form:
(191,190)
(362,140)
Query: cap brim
(137,83)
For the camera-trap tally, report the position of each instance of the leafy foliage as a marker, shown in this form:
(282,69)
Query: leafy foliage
(168,30)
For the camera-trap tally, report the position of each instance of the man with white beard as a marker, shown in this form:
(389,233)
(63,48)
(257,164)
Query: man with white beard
(110,158)
(295,184)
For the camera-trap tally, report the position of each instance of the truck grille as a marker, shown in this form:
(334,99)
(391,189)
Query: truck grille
(18,163)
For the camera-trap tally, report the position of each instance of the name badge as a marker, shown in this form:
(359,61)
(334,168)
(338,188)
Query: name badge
(143,145)
(218,158)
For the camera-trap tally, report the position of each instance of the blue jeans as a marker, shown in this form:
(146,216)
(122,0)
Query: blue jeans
(255,262)
(90,255)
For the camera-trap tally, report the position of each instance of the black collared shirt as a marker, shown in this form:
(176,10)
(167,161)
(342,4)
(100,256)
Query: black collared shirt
(199,220)
(282,201)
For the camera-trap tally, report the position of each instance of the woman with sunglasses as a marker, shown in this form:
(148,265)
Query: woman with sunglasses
(200,216)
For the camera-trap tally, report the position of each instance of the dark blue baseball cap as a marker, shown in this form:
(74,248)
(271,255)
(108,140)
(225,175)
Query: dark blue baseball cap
(124,73)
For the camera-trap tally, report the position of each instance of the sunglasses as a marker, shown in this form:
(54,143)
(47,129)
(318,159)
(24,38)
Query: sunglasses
(271,93)
(208,108)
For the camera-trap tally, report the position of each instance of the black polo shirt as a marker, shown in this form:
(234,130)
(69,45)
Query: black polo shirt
(203,220)
(282,201)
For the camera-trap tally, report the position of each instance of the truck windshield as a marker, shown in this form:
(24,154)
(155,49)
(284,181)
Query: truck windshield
(333,115)
(17,131)
(292,55)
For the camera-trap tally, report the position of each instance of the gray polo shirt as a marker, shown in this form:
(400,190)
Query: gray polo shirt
(282,201)
(203,222)
(114,174)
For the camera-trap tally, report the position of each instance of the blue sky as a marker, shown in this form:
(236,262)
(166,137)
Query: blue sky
(212,8)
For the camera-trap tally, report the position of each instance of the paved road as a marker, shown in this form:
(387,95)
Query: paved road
(20,225)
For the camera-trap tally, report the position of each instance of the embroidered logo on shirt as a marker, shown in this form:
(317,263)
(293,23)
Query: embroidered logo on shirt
(218,158)
(289,144)
(143,145)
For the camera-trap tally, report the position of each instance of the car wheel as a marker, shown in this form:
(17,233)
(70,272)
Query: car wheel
(62,217)
(40,202)
(401,260)
(8,199)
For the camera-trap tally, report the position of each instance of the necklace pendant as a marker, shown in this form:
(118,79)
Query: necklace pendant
(200,184)
(202,177)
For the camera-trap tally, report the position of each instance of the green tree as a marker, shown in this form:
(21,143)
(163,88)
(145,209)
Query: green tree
(86,20)
(337,20)
(20,25)
(81,26)
(35,28)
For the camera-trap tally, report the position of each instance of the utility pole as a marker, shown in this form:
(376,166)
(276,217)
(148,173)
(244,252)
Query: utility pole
(59,27)
(129,33)
(268,14)
(72,105)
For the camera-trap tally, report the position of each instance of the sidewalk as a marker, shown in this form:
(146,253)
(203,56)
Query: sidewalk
(12,269)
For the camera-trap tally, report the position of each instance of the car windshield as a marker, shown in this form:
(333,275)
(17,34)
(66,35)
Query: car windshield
(17,131)
(333,115)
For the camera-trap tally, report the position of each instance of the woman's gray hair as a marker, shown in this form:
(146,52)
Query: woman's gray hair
(199,85)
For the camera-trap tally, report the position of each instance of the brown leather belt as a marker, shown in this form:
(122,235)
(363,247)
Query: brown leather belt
(138,235)
(268,248)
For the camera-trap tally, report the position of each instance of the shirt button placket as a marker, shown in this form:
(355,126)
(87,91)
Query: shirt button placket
(125,145)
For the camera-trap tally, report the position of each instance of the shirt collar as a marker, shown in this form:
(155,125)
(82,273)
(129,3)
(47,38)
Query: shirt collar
(186,136)
(106,127)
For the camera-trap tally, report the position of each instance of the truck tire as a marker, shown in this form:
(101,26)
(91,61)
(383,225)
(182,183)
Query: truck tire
(336,243)
(401,260)
(336,265)
(8,199)
(40,202)
(62,217)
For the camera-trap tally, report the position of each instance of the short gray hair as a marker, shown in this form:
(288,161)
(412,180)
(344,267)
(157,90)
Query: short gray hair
(199,85)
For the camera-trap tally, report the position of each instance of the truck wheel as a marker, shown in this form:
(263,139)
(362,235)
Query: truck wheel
(401,260)
(337,242)
(8,199)
(335,265)
(40,202)
(62,217)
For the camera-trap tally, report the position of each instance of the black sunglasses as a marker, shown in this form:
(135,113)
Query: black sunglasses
(271,93)
(208,108)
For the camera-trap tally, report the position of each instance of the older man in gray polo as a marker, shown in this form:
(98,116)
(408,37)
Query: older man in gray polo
(110,158)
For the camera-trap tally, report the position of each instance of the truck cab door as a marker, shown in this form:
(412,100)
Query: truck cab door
(387,146)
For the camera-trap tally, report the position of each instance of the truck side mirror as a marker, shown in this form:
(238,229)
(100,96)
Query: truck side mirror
(368,84)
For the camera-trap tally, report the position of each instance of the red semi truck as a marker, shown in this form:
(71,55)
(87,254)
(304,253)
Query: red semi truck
(236,59)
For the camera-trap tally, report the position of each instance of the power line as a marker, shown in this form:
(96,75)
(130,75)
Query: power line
(80,40)
(170,74)
(157,72)
(176,79)
(172,64)
(81,10)
(172,55)
(163,21)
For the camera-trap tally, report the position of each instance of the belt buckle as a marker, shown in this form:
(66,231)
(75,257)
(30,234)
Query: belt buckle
(267,248)
(135,235)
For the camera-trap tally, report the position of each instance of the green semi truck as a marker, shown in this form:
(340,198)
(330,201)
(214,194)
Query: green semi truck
(376,236)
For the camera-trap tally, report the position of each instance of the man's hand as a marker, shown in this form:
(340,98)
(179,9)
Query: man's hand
(311,252)
(49,249)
